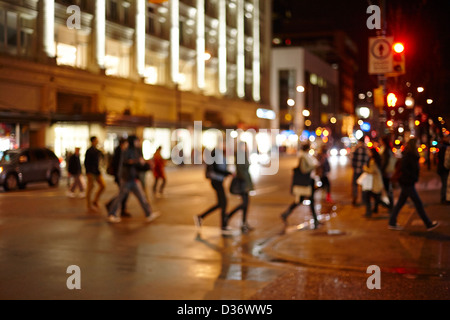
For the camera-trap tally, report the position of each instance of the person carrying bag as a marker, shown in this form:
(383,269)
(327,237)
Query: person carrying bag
(303,184)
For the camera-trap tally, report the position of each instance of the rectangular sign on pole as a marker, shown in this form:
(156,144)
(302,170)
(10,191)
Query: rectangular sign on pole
(380,55)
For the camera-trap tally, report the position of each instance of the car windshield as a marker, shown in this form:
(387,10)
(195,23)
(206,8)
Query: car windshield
(9,156)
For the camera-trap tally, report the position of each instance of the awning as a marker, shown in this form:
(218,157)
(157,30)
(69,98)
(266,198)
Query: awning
(15,116)
(85,117)
(122,120)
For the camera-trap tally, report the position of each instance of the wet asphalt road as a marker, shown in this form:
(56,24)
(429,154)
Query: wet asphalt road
(43,232)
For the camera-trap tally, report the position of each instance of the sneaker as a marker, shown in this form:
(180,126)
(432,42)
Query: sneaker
(198,222)
(114,219)
(396,227)
(152,217)
(71,194)
(433,226)
(246,228)
(82,195)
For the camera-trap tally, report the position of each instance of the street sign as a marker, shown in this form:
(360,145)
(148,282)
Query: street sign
(380,55)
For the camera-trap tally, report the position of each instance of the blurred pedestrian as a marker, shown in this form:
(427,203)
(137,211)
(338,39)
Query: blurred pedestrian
(245,185)
(360,157)
(75,171)
(442,170)
(373,168)
(92,165)
(388,161)
(305,190)
(131,161)
(116,163)
(216,172)
(409,175)
(159,172)
(323,170)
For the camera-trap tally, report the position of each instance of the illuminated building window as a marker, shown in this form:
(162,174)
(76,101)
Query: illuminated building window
(117,59)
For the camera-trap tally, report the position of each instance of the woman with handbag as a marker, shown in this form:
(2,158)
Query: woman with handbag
(373,168)
(241,185)
(303,184)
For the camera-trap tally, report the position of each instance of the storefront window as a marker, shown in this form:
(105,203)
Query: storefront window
(154,138)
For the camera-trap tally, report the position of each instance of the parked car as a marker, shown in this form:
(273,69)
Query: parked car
(23,166)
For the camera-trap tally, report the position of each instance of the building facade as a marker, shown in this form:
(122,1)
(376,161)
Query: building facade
(305,94)
(70,69)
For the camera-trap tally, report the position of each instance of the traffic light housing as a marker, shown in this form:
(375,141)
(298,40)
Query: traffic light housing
(398,60)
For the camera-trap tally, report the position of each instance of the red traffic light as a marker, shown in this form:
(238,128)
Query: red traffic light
(398,47)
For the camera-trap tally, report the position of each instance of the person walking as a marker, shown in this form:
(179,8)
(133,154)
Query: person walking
(116,163)
(245,183)
(131,160)
(159,172)
(75,171)
(360,157)
(373,168)
(323,170)
(92,166)
(442,171)
(388,161)
(216,173)
(307,164)
(409,175)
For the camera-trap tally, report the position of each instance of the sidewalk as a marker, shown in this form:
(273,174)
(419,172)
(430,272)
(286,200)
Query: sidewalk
(349,241)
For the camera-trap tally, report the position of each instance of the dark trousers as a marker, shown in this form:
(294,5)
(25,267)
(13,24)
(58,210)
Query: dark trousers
(221,202)
(124,201)
(295,204)
(390,194)
(243,206)
(367,198)
(409,192)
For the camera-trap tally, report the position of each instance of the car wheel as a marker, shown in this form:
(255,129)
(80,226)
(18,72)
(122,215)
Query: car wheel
(11,182)
(54,179)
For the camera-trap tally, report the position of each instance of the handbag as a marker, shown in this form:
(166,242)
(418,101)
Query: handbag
(365,180)
(299,178)
(237,186)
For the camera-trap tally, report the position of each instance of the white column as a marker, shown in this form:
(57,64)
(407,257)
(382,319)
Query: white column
(140,36)
(256,53)
(222,49)
(240,45)
(100,32)
(201,44)
(174,40)
(49,28)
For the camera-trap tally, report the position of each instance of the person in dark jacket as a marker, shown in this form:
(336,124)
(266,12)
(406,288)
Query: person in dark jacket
(92,166)
(75,171)
(116,163)
(131,161)
(243,175)
(217,172)
(442,171)
(409,175)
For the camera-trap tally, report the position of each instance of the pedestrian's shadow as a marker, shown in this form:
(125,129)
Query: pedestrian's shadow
(430,235)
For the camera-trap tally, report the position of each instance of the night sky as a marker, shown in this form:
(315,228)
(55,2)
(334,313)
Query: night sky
(422,25)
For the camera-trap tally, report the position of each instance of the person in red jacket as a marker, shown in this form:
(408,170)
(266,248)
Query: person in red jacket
(158,171)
